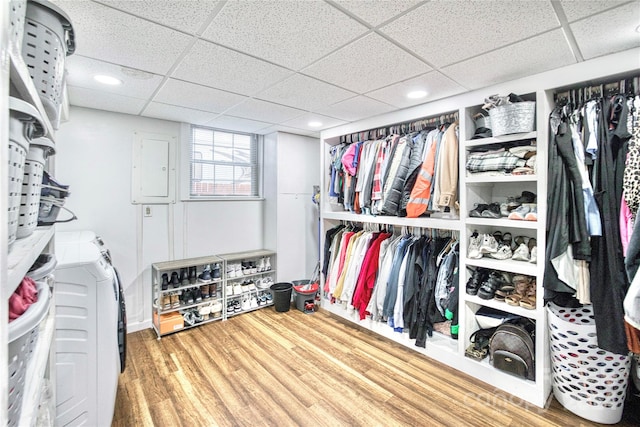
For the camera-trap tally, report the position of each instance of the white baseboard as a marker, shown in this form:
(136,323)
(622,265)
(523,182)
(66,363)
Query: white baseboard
(138,326)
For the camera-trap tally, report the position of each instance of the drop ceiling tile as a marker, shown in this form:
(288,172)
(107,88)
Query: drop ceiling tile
(114,36)
(174,113)
(302,122)
(367,64)
(577,9)
(255,109)
(237,124)
(181,15)
(608,32)
(289,33)
(304,92)
(355,108)
(190,95)
(375,12)
(444,32)
(434,83)
(135,83)
(90,98)
(525,58)
(222,68)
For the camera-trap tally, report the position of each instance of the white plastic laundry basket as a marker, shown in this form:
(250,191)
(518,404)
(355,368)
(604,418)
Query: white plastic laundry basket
(39,150)
(588,381)
(23,337)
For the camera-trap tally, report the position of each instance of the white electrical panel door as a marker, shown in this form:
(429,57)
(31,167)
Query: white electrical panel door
(153,174)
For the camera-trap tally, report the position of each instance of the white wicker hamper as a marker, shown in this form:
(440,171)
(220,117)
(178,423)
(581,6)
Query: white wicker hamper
(588,381)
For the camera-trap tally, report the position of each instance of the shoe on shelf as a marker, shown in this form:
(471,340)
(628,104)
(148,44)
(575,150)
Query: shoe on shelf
(165,281)
(204,291)
(521,253)
(189,298)
(229,289)
(261,265)
(253,267)
(175,282)
(479,276)
(489,244)
(175,300)
(492,211)
(526,197)
(193,275)
(504,210)
(491,285)
(532,215)
(184,277)
(215,271)
(474,246)
(476,212)
(237,289)
(534,255)
(503,292)
(166,302)
(519,213)
(503,252)
(246,303)
(253,302)
(267,264)
(205,276)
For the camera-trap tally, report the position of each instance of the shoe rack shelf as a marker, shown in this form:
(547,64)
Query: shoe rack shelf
(175,310)
(248,277)
(473,190)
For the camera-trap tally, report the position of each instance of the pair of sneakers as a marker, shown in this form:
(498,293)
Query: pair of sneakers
(481,244)
(526,212)
(527,250)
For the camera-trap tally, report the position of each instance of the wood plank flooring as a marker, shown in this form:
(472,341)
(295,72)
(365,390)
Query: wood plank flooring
(293,369)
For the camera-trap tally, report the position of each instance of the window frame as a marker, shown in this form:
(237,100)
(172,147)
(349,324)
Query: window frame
(257,166)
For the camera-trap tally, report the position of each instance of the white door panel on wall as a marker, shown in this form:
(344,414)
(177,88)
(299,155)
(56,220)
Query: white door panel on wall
(293,230)
(297,163)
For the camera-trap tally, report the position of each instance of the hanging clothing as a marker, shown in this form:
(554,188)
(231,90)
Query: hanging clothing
(608,279)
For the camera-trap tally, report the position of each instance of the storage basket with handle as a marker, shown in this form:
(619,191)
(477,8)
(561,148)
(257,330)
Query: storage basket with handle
(23,337)
(17,10)
(587,380)
(48,40)
(25,123)
(517,117)
(39,150)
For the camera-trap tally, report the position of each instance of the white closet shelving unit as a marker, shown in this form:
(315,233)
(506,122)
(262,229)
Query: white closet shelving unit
(16,261)
(474,190)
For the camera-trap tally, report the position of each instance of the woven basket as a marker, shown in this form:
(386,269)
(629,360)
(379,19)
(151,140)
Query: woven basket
(518,117)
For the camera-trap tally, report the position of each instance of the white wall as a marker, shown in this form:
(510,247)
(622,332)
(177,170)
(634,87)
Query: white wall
(94,156)
(288,190)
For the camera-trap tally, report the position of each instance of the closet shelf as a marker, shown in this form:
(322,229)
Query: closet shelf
(511,266)
(422,222)
(501,305)
(190,285)
(23,254)
(502,223)
(249,310)
(499,179)
(187,306)
(500,139)
(22,82)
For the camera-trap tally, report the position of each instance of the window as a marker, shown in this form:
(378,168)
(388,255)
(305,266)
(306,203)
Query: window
(223,163)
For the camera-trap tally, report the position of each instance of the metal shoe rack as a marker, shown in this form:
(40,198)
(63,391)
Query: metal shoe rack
(241,287)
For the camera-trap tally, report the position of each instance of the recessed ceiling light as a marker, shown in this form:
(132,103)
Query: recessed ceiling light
(107,80)
(315,124)
(416,94)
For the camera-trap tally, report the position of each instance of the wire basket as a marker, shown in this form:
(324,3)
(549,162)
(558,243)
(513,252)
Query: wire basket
(23,337)
(48,39)
(517,117)
(17,10)
(588,381)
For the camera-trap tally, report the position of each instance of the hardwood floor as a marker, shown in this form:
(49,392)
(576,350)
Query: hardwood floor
(293,369)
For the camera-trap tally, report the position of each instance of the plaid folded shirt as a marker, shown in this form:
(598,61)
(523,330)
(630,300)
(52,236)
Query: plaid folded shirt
(493,162)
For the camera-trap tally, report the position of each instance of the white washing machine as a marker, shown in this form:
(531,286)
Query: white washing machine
(86,339)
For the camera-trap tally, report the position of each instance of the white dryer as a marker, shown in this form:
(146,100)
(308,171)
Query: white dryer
(86,339)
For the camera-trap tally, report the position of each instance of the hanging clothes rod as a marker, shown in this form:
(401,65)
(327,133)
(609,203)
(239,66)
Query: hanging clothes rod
(581,94)
(402,128)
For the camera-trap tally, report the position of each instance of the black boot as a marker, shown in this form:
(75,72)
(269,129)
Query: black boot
(165,281)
